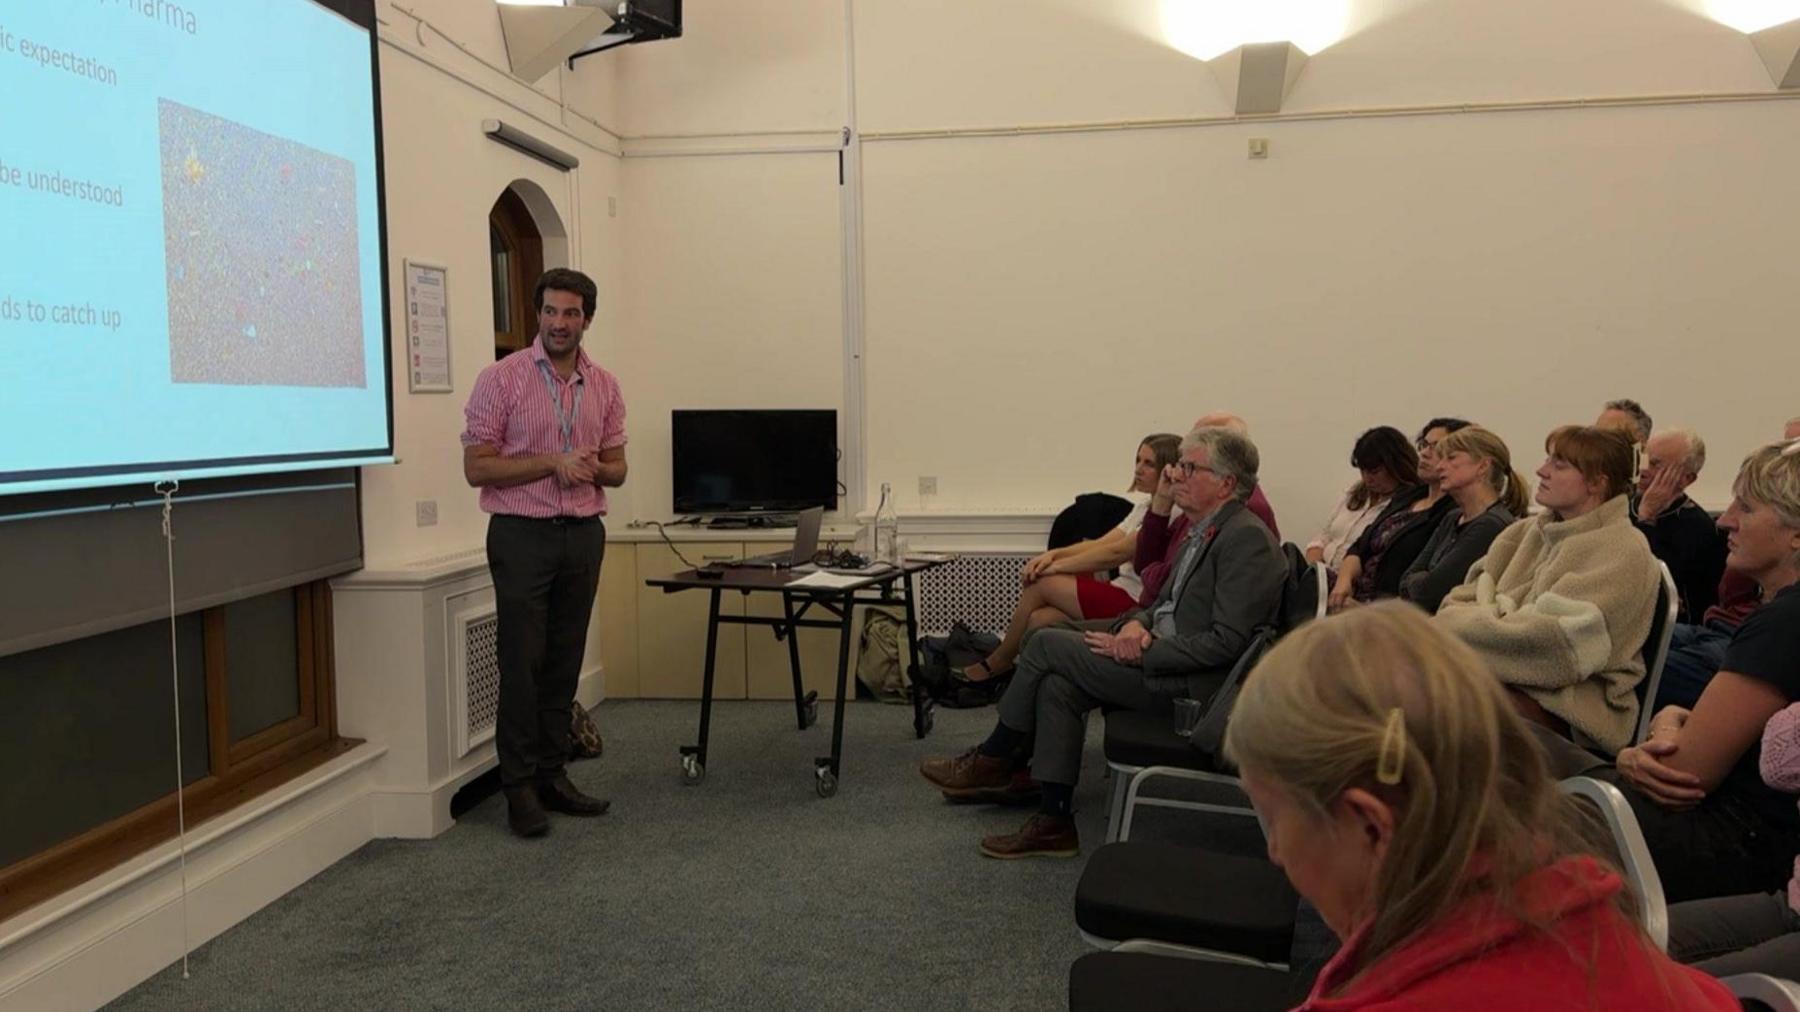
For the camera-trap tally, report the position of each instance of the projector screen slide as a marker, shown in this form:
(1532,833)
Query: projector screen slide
(192,279)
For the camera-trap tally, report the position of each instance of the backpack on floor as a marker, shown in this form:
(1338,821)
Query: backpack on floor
(879,667)
(942,660)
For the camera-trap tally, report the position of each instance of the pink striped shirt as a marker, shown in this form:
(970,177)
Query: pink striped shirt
(510,410)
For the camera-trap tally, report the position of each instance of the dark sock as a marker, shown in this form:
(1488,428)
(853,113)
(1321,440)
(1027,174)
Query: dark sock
(1004,743)
(1059,800)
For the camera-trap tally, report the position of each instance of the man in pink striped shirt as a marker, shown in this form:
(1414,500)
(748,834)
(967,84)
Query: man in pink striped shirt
(545,439)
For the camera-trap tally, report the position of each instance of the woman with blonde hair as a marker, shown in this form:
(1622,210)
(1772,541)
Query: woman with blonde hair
(1404,797)
(1475,470)
(1068,584)
(1713,824)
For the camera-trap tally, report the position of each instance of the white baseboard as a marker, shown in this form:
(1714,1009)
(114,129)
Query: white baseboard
(95,942)
(420,812)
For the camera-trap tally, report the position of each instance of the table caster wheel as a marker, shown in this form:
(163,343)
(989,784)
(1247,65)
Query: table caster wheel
(812,712)
(692,771)
(826,781)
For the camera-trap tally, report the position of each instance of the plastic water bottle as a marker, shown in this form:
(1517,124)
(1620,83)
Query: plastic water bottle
(887,528)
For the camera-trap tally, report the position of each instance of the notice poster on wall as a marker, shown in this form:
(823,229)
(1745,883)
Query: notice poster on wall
(427,329)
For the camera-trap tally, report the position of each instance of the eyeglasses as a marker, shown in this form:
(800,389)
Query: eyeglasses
(1188,468)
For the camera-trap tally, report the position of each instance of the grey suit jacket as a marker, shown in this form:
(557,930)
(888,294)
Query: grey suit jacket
(1233,588)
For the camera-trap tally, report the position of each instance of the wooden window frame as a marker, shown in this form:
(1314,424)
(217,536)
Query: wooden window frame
(237,771)
(519,234)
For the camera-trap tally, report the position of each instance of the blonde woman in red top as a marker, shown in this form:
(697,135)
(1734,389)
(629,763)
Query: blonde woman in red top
(1402,794)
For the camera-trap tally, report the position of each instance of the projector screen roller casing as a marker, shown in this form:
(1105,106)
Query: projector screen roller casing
(233,320)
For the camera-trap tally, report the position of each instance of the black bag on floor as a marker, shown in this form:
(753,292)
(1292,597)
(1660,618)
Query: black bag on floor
(942,659)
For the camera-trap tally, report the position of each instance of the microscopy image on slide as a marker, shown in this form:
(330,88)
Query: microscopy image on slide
(260,234)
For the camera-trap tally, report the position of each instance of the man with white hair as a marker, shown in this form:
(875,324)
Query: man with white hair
(1258,503)
(1681,533)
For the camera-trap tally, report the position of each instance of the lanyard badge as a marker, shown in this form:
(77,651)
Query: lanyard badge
(564,422)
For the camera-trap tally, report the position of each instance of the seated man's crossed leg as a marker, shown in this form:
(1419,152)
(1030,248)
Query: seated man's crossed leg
(1043,716)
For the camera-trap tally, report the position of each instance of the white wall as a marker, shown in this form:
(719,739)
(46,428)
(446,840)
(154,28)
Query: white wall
(734,261)
(443,175)
(1035,303)
(733,298)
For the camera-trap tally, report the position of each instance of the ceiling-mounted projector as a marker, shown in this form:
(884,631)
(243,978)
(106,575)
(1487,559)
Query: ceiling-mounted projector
(540,36)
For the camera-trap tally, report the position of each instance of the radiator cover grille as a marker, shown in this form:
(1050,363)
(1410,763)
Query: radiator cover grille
(481,639)
(979,589)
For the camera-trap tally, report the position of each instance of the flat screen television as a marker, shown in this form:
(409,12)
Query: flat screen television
(743,461)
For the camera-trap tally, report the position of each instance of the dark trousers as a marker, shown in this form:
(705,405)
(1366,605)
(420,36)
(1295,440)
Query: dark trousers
(1696,653)
(545,575)
(1057,680)
(1753,933)
(1722,847)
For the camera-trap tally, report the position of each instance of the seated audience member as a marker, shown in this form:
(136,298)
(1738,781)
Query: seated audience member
(1756,932)
(1226,582)
(1403,797)
(1560,605)
(1627,416)
(1373,566)
(1388,463)
(1680,531)
(1159,539)
(1258,503)
(1713,826)
(1475,471)
(1696,651)
(1061,585)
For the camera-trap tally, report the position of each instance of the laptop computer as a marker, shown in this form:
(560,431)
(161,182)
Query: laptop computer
(806,545)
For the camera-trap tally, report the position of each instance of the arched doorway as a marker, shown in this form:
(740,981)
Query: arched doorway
(525,235)
(516,258)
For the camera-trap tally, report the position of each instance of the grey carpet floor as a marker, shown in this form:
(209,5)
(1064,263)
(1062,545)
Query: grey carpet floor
(748,891)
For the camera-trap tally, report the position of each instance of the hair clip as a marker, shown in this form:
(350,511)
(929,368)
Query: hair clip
(1392,761)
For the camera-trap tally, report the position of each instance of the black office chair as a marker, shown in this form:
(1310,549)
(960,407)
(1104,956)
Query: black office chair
(1145,981)
(1136,740)
(1238,907)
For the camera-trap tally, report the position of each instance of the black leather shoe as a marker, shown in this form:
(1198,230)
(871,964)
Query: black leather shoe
(559,795)
(525,812)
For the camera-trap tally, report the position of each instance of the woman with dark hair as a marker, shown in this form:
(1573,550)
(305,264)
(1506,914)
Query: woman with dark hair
(1373,566)
(1388,463)
(1065,583)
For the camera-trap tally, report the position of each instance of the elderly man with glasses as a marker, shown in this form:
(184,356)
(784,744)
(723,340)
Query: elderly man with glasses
(1225,582)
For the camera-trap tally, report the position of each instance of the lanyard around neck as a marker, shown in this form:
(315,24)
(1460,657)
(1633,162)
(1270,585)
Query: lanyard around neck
(564,422)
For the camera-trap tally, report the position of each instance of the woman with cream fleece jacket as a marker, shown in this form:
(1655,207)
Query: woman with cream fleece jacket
(1560,606)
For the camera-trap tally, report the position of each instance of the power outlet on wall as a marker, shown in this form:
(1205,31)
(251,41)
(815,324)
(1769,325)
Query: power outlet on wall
(427,512)
(927,485)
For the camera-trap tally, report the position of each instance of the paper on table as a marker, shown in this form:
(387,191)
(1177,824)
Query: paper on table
(823,579)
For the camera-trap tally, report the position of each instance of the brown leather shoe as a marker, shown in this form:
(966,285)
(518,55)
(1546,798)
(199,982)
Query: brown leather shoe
(1020,792)
(967,773)
(1041,836)
(559,795)
(524,812)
